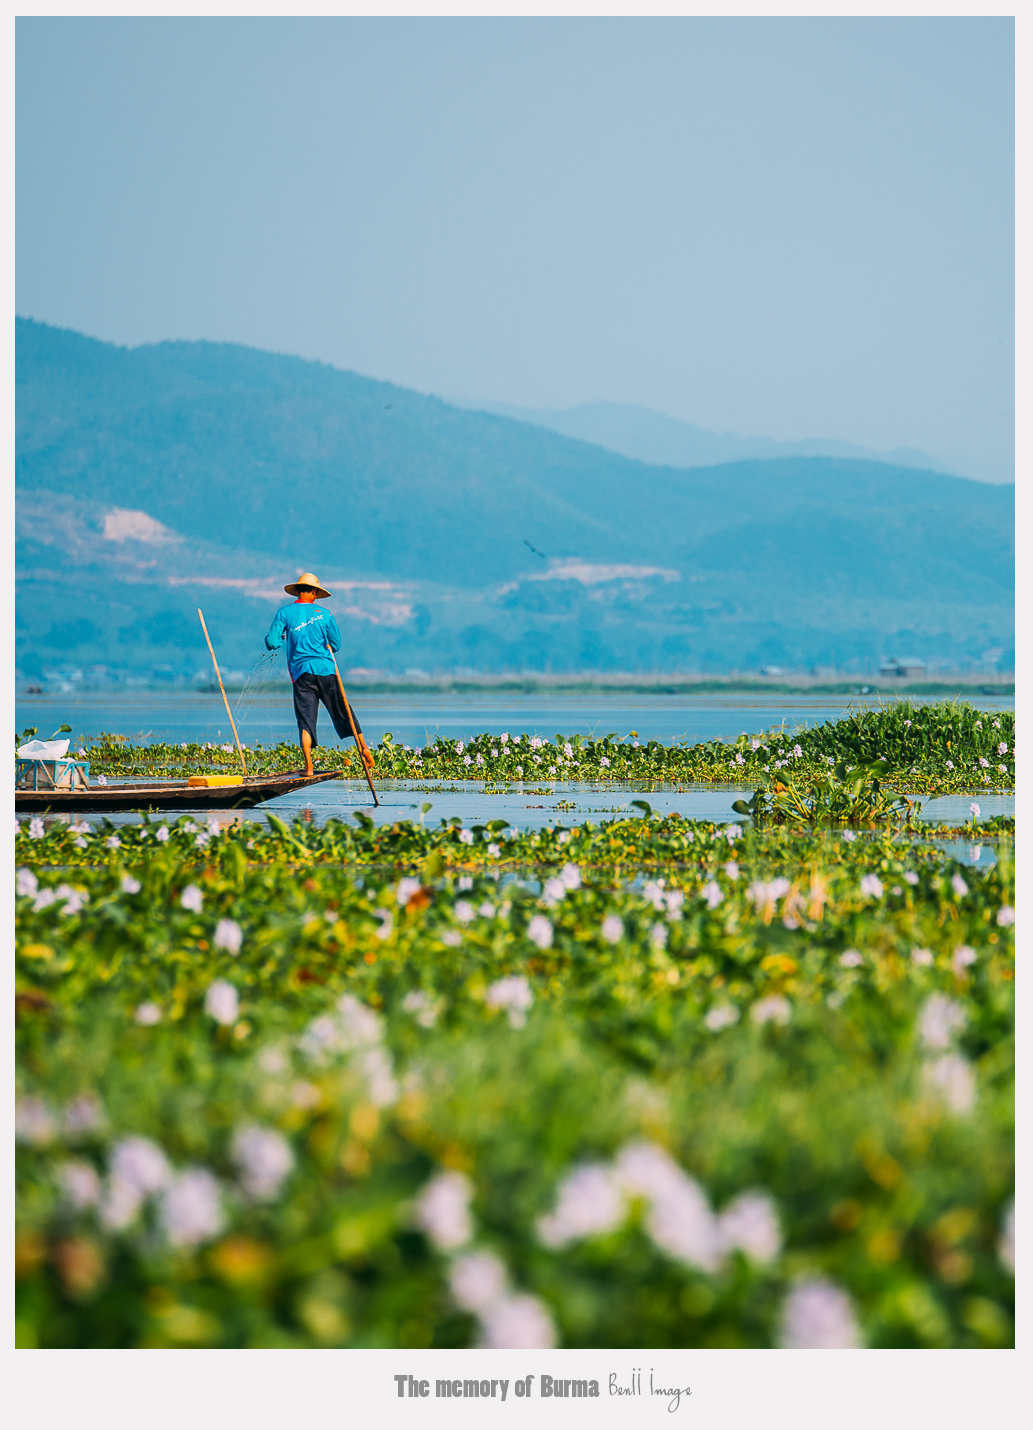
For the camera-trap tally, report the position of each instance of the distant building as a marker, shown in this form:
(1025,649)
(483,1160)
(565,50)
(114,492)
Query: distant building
(898,666)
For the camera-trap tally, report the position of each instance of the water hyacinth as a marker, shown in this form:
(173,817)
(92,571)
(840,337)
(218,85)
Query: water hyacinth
(264,1158)
(514,994)
(191,1208)
(819,1316)
(221,1001)
(939,1020)
(192,899)
(228,935)
(443,1210)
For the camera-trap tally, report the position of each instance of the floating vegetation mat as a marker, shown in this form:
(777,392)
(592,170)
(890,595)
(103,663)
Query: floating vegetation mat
(938,749)
(643,1083)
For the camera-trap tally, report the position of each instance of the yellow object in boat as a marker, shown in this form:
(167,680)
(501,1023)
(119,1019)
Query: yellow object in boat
(212,781)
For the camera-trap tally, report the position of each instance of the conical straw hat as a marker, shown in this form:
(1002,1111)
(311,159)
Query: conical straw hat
(307,579)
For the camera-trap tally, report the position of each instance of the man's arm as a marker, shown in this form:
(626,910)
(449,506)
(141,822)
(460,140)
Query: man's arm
(333,634)
(274,635)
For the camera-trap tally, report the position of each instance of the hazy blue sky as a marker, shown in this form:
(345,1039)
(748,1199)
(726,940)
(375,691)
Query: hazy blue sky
(793,228)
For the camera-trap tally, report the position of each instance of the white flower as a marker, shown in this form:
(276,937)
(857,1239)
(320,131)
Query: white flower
(201,840)
(460,747)
(712,893)
(984,762)
(1002,748)
(452,937)
(613,929)
(419,1004)
(113,843)
(519,1323)
(950,764)
(221,1002)
(680,1221)
(922,956)
(818,1316)
(513,994)
(387,923)
(754,745)
(464,911)
(102,779)
(191,1208)
(33,1122)
(130,885)
(162,834)
(589,1202)
(493,851)
(486,910)
(505,737)
(80,843)
(939,1020)
(554,891)
(963,957)
(80,1184)
(1005,916)
(36,830)
(732,869)
(722,1016)
(951,1078)
(959,886)
(1006,1244)
(604,763)
(771,1010)
(43,900)
(405,890)
(849,836)
(539,931)
(750,1224)
(74,899)
(148,1014)
(851,958)
(658,936)
(228,935)
(570,875)
(477,1282)
(83,1115)
(26,883)
(466,836)
(911,878)
(733,832)
(138,1169)
(798,752)
(264,1159)
(974,810)
(520,769)
(191,899)
(443,1210)
(871,886)
(467,760)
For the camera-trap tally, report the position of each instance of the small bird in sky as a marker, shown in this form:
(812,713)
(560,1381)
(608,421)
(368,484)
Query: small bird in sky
(535,549)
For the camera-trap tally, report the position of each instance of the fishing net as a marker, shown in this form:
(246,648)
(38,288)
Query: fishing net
(257,678)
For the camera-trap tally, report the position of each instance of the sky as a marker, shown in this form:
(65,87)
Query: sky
(787,228)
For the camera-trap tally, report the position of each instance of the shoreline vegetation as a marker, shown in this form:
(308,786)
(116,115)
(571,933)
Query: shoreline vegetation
(927,749)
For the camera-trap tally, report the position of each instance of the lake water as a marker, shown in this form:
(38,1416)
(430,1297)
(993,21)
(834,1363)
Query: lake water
(416,719)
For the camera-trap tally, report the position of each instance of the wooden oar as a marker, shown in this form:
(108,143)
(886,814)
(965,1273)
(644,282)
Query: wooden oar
(351,722)
(218,677)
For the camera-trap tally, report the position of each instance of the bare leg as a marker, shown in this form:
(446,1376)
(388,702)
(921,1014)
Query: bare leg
(306,750)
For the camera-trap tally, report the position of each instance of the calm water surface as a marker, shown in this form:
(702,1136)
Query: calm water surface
(175,716)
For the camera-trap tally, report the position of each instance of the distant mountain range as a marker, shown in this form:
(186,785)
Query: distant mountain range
(653,437)
(155,479)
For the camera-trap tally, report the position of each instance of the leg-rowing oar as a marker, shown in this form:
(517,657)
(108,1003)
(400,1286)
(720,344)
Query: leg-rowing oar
(351,722)
(218,677)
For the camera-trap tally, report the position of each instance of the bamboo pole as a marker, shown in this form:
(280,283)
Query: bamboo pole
(351,722)
(218,677)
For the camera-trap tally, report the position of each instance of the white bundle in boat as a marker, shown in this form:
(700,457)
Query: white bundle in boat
(43,750)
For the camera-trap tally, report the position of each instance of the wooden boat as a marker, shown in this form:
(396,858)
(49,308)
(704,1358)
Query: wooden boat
(167,794)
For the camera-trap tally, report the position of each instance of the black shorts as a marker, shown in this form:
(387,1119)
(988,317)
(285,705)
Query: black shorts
(309,690)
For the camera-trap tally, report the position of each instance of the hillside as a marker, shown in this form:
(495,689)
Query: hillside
(256,464)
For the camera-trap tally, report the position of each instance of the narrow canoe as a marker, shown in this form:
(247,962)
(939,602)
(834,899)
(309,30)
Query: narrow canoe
(167,794)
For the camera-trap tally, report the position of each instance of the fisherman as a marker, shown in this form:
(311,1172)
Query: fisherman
(309,631)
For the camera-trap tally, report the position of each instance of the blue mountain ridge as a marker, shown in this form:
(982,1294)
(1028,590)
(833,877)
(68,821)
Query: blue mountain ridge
(263,463)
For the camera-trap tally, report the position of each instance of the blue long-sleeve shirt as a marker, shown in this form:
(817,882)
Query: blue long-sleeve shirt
(307,629)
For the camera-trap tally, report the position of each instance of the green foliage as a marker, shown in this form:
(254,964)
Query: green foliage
(954,747)
(836,797)
(763,1008)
